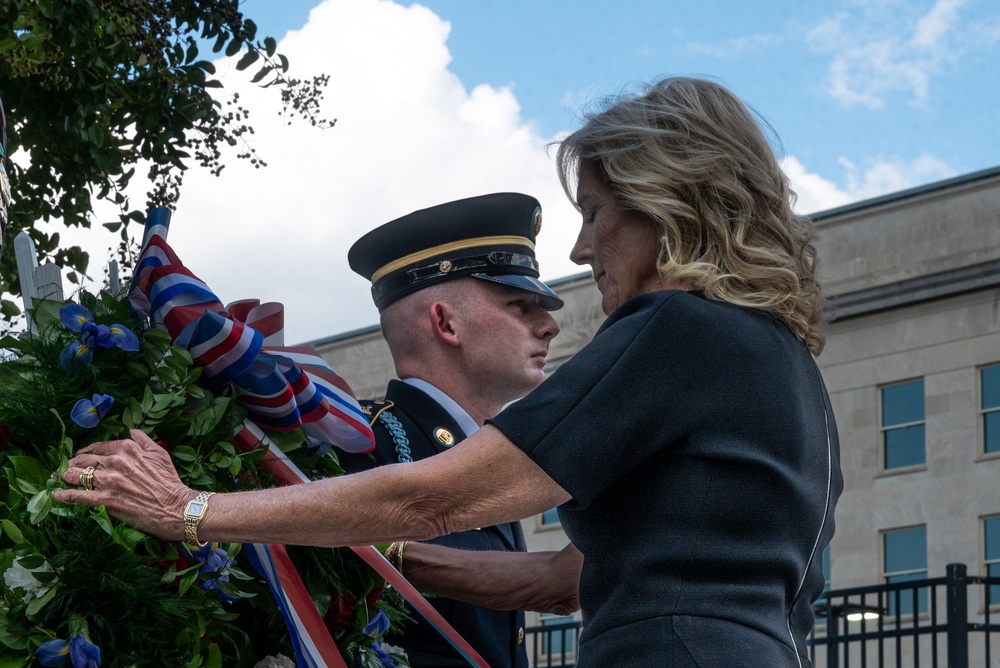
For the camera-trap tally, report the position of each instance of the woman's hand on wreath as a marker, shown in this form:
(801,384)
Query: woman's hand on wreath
(135,480)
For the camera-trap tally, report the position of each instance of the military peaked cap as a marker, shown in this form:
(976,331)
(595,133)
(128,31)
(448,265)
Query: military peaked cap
(490,237)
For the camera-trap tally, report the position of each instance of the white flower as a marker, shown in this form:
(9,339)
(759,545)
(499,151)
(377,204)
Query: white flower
(392,649)
(19,576)
(277,661)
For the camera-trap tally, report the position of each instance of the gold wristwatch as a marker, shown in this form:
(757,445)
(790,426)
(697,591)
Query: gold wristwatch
(193,514)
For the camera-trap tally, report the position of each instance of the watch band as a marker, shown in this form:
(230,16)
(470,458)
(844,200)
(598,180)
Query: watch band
(193,514)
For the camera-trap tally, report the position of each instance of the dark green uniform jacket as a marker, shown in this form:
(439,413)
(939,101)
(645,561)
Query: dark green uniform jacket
(497,636)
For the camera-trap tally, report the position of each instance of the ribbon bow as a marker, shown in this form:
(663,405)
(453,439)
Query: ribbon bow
(282,388)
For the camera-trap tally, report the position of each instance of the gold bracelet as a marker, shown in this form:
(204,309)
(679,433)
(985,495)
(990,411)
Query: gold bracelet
(394,554)
(399,556)
(390,554)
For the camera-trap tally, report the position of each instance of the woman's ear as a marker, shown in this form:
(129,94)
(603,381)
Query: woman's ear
(444,323)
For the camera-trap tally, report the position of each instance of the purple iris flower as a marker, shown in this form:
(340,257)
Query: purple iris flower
(83,653)
(79,319)
(377,626)
(88,412)
(79,652)
(382,656)
(53,653)
(215,568)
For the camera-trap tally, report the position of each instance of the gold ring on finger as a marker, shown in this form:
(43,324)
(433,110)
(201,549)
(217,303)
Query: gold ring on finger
(87,478)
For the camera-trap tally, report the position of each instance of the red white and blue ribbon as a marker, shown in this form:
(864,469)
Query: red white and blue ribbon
(284,472)
(282,388)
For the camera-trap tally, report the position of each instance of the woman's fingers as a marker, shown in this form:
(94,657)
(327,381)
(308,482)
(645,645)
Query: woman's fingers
(134,479)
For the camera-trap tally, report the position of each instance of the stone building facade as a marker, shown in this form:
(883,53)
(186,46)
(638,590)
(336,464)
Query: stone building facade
(912,364)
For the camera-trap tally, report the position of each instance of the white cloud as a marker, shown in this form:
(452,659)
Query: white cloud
(889,49)
(409,134)
(732,48)
(879,177)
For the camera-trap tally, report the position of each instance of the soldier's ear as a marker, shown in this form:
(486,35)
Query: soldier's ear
(444,323)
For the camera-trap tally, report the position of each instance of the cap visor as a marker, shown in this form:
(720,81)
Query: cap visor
(548,300)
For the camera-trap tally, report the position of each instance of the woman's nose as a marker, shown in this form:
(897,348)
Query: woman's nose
(580,253)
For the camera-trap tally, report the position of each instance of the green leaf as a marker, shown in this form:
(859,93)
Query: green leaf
(30,469)
(214,659)
(164,401)
(270,46)
(9,309)
(131,536)
(39,603)
(209,419)
(187,580)
(168,375)
(185,453)
(31,562)
(12,531)
(261,73)
(45,313)
(183,354)
(220,41)
(14,638)
(147,399)
(39,506)
(234,47)
(103,520)
(137,369)
(248,59)
(158,337)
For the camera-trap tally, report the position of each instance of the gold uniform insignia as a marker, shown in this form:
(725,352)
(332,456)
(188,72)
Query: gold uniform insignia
(538,221)
(444,437)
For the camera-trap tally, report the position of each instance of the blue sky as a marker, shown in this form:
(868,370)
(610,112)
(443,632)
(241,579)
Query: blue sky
(859,81)
(452,98)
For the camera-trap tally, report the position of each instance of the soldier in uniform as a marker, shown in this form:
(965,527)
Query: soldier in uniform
(468,325)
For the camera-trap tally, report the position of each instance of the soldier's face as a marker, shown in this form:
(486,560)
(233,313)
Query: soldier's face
(506,339)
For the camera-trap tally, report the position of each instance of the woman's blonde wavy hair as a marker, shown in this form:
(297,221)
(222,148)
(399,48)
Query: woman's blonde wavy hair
(689,154)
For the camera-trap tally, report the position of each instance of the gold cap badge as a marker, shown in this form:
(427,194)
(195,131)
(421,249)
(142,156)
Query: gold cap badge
(538,221)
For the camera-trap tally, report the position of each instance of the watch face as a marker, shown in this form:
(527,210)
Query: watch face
(196,508)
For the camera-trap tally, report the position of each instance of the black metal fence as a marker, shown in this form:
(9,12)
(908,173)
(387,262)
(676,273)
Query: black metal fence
(949,622)
(553,645)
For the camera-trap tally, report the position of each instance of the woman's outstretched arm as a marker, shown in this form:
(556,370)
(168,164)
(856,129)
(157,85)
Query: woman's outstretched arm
(482,481)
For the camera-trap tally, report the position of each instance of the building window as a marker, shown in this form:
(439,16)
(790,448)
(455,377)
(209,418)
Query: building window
(991,557)
(904,559)
(822,602)
(826,570)
(989,405)
(550,518)
(903,425)
(558,641)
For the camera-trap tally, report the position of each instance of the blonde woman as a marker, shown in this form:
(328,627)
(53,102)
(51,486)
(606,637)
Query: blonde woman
(690,446)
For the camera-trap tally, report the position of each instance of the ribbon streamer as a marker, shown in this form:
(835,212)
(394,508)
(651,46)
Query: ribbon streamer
(284,472)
